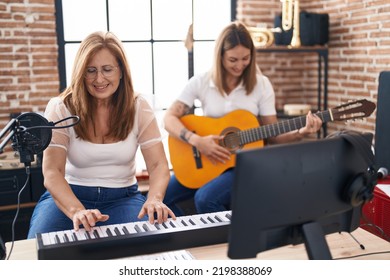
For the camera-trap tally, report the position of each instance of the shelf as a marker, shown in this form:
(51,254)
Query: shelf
(322,88)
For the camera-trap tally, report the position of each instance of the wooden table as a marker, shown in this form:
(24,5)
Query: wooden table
(342,245)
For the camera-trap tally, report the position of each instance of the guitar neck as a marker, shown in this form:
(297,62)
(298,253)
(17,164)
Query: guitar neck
(272,130)
(190,64)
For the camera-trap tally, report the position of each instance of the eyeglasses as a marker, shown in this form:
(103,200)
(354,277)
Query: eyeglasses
(107,71)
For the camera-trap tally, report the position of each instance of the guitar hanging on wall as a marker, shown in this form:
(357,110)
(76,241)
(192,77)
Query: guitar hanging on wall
(189,44)
(241,130)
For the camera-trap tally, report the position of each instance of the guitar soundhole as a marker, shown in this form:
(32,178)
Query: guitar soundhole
(231,140)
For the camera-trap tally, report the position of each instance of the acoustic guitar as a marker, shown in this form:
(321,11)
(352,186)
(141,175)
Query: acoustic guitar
(240,130)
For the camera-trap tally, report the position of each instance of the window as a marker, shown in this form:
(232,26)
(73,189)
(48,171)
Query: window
(153,33)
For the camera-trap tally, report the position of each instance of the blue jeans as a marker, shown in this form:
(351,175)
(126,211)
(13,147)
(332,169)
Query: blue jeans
(214,196)
(121,204)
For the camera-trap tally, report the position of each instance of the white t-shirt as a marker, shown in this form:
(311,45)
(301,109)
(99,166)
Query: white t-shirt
(261,102)
(103,165)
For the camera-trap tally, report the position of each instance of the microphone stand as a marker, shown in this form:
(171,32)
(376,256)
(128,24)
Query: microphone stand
(22,141)
(10,125)
(28,143)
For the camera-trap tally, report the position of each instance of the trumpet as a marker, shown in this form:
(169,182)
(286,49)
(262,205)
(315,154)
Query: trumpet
(263,37)
(290,19)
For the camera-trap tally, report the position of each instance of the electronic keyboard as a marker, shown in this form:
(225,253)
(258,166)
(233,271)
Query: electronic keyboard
(137,238)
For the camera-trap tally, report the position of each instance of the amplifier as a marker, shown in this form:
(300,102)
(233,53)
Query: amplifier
(12,178)
(11,181)
(314,29)
(22,223)
(376,212)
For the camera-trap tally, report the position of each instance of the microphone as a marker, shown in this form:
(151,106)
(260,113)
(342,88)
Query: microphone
(31,134)
(382,172)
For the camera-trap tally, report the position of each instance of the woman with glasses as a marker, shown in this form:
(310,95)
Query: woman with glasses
(89,169)
(234,83)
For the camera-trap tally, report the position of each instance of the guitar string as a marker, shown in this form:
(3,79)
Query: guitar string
(258,133)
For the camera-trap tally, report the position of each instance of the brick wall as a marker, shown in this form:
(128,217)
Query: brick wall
(28,56)
(359,49)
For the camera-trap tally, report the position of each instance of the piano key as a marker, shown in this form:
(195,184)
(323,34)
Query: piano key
(153,227)
(212,229)
(211,219)
(176,223)
(68,236)
(130,228)
(229,216)
(217,218)
(80,234)
(158,226)
(192,222)
(87,235)
(52,237)
(113,230)
(145,227)
(185,221)
(138,228)
(109,232)
(103,231)
(96,233)
(61,236)
(222,216)
(203,220)
(46,239)
(168,225)
(125,230)
(117,231)
(182,221)
(197,220)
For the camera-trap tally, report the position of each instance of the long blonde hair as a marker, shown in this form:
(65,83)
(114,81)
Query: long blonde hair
(233,35)
(80,102)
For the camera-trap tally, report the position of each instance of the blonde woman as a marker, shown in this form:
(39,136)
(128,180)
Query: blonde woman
(233,83)
(89,169)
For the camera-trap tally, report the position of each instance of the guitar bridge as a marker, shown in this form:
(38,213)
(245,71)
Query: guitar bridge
(198,160)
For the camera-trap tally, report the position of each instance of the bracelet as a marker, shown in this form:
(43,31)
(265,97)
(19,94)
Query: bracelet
(188,139)
(183,133)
